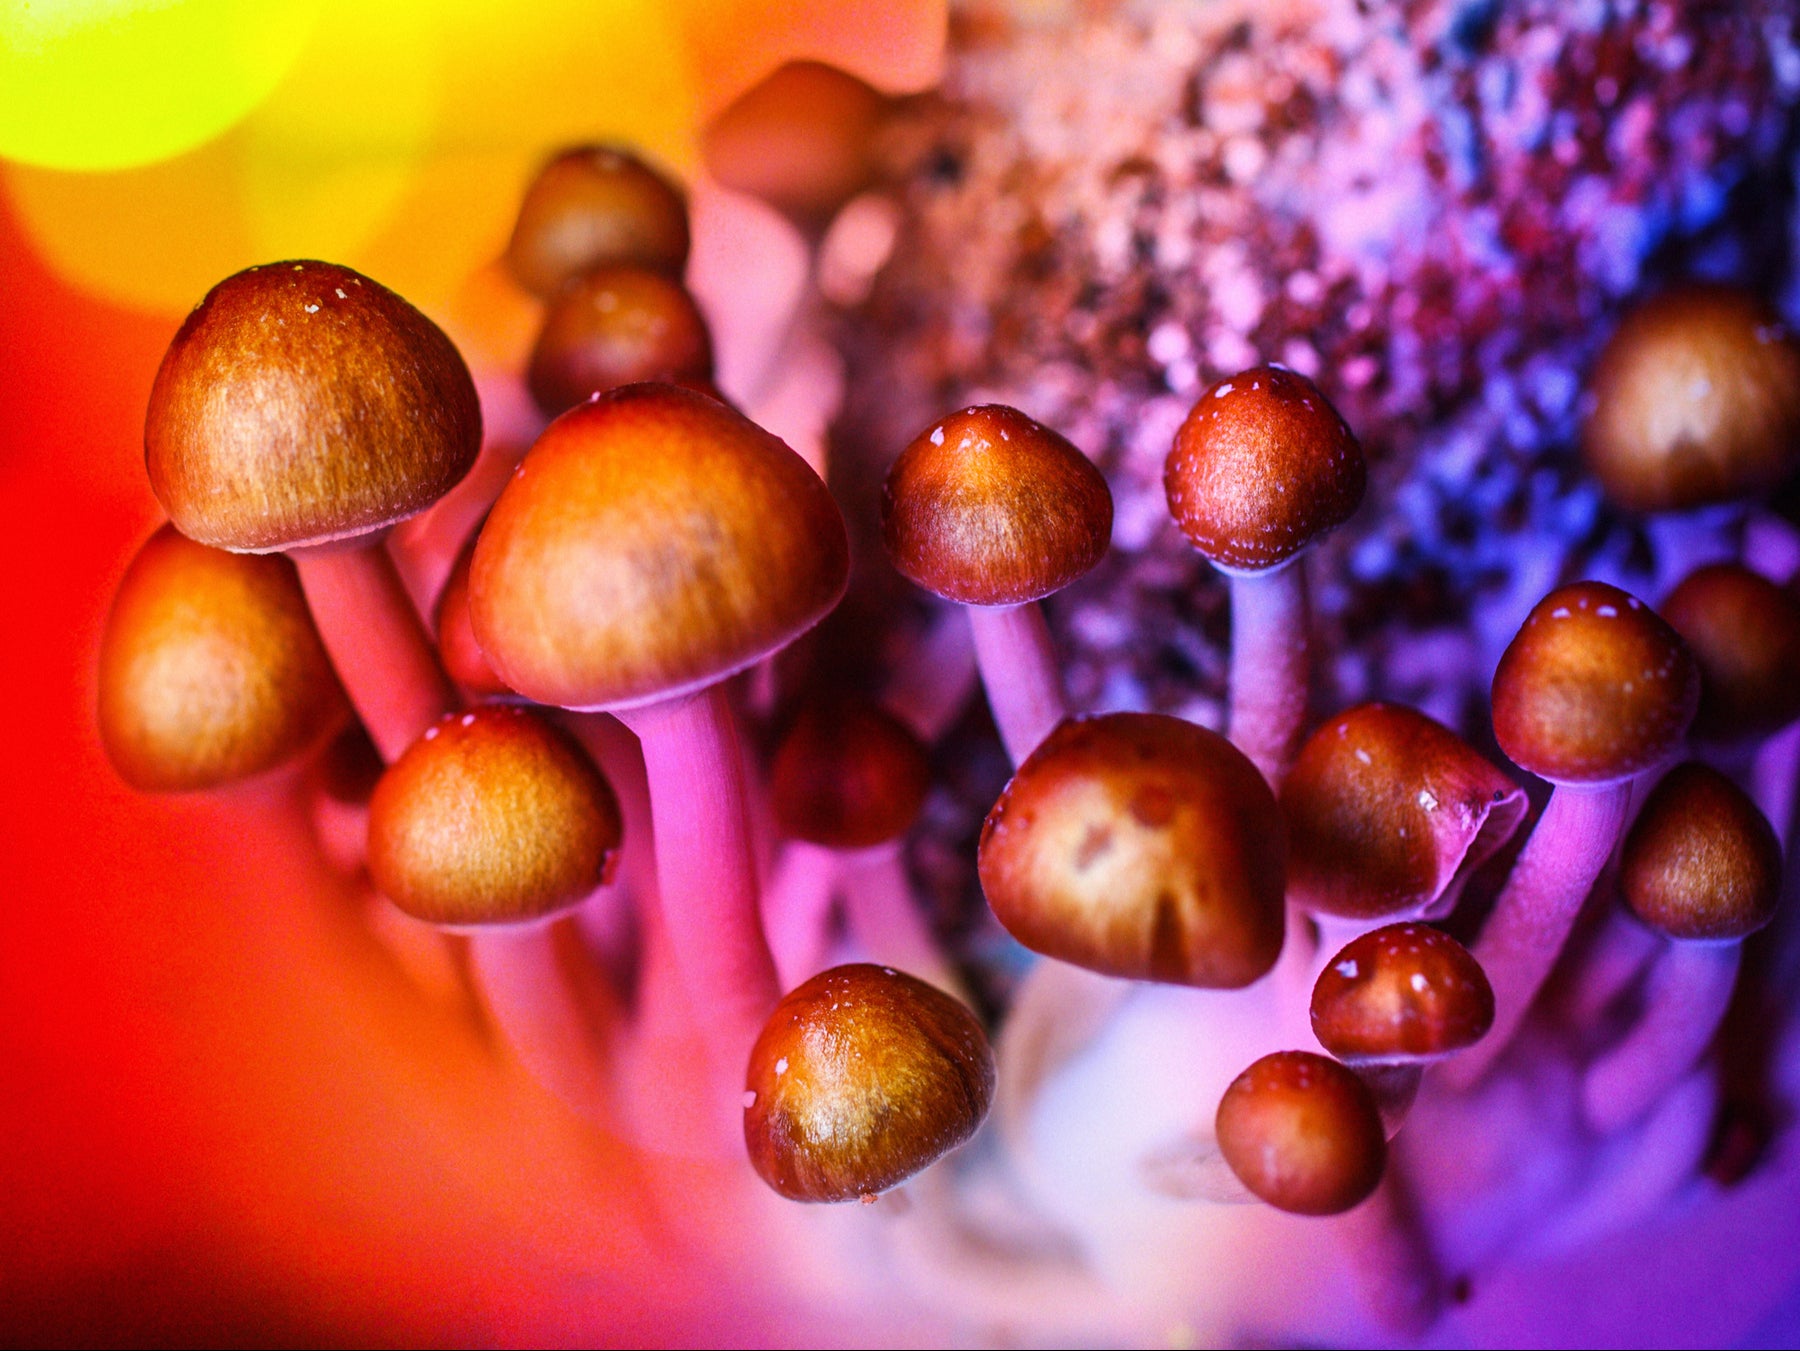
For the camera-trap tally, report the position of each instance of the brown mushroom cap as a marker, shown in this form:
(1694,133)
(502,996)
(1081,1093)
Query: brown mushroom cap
(1303,1133)
(210,668)
(988,507)
(1695,399)
(302,403)
(1401,994)
(1594,688)
(1387,810)
(652,542)
(1701,861)
(848,775)
(594,205)
(862,1077)
(616,326)
(1744,632)
(1139,845)
(463,659)
(494,816)
(1261,468)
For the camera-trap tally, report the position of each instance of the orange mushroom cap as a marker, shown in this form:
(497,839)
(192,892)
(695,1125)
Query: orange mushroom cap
(1744,632)
(988,507)
(848,775)
(862,1077)
(463,659)
(210,668)
(1701,861)
(302,403)
(594,205)
(1139,845)
(1303,1133)
(1594,688)
(617,326)
(652,542)
(1261,468)
(1401,994)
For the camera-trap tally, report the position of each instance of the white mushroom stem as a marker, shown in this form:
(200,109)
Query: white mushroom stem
(1019,669)
(1270,669)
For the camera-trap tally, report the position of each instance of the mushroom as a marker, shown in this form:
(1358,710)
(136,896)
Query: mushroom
(1593,690)
(1302,1133)
(862,1077)
(995,512)
(1142,846)
(1262,467)
(1701,866)
(616,326)
(653,543)
(210,668)
(305,409)
(463,659)
(593,205)
(1744,632)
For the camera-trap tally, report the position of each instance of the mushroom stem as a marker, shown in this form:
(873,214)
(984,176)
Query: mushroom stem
(1269,666)
(1615,958)
(376,642)
(885,919)
(1018,668)
(1775,774)
(1397,1275)
(796,910)
(706,866)
(1537,908)
(1685,999)
(1395,1088)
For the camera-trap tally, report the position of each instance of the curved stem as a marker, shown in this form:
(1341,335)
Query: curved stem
(1018,669)
(1270,671)
(886,921)
(1537,908)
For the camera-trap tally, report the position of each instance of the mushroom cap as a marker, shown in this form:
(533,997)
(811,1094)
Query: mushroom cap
(591,205)
(651,543)
(463,659)
(1594,687)
(1140,845)
(1388,811)
(616,326)
(1701,861)
(848,775)
(862,1077)
(988,507)
(1401,994)
(1262,467)
(210,668)
(302,403)
(1695,399)
(1303,1133)
(493,816)
(1744,632)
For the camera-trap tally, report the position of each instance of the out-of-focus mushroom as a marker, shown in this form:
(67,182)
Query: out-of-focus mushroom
(591,206)
(615,326)
(1744,632)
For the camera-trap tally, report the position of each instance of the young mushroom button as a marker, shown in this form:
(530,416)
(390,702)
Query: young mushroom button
(1302,1133)
(595,205)
(1744,632)
(616,326)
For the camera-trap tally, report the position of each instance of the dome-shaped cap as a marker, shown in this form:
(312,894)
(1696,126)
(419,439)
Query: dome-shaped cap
(1744,632)
(1401,994)
(652,542)
(302,403)
(1701,861)
(1388,812)
(210,669)
(1303,1133)
(1594,688)
(594,205)
(492,817)
(988,507)
(464,661)
(862,1077)
(1139,845)
(1261,468)
(847,775)
(617,326)
(1695,399)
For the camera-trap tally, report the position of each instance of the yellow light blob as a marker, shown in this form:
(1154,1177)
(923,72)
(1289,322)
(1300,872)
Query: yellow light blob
(108,84)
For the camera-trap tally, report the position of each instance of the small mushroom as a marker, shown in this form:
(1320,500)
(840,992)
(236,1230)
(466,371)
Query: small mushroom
(594,205)
(615,326)
(1744,632)
(463,659)
(1303,1133)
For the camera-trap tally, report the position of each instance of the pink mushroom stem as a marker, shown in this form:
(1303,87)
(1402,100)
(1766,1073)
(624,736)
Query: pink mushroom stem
(1618,954)
(885,918)
(796,910)
(1685,1000)
(377,643)
(1537,908)
(1269,666)
(1017,657)
(1397,1275)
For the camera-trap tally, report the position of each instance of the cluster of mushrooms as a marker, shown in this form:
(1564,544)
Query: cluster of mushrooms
(654,550)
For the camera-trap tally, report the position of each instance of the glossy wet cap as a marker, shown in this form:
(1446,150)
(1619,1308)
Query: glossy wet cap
(1388,811)
(1701,861)
(463,659)
(1594,688)
(1261,468)
(1401,994)
(493,816)
(1303,1133)
(652,543)
(210,668)
(591,206)
(847,774)
(1695,400)
(1744,631)
(302,403)
(1139,845)
(862,1077)
(617,326)
(988,507)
